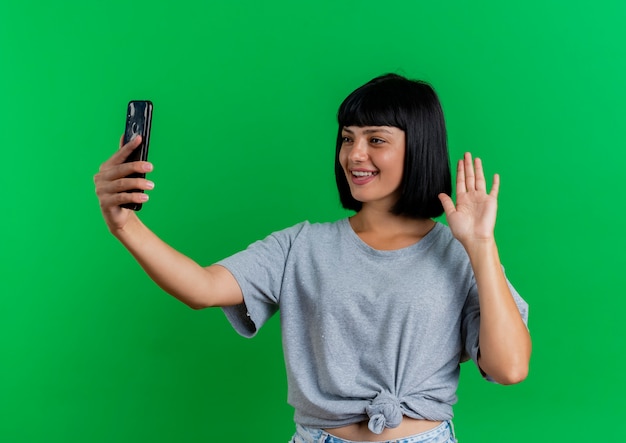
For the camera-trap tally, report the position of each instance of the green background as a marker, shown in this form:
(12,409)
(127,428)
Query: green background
(245,96)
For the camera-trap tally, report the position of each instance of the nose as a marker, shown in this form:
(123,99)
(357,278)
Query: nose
(358,153)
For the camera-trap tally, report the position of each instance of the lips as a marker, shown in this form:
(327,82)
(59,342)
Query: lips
(362,177)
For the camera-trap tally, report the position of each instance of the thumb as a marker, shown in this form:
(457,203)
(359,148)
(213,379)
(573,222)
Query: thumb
(447,203)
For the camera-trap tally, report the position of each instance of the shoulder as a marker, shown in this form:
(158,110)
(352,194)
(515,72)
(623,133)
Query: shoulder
(301,233)
(307,229)
(446,245)
(441,236)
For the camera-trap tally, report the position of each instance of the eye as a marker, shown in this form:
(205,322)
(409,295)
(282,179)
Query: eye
(346,139)
(376,141)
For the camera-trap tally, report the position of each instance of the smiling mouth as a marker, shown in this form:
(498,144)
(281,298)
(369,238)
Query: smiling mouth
(363,173)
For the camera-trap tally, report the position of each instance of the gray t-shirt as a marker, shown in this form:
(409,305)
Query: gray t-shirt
(367,334)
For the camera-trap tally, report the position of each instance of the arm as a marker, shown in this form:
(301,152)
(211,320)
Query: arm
(177,274)
(505,344)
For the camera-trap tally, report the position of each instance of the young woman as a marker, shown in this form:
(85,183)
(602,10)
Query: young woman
(377,310)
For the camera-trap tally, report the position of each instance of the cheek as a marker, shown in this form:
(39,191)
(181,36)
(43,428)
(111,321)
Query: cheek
(395,165)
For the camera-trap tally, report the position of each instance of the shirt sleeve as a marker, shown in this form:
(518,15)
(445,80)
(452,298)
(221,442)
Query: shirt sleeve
(470,323)
(259,271)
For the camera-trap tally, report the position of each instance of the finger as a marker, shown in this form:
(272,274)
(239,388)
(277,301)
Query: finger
(114,200)
(122,170)
(470,183)
(447,203)
(481,185)
(122,153)
(124,185)
(460,178)
(495,187)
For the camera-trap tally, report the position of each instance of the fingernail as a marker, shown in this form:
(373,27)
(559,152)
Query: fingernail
(150,185)
(144,197)
(147,167)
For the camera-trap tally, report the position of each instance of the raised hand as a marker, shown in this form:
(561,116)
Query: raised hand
(474,216)
(111,184)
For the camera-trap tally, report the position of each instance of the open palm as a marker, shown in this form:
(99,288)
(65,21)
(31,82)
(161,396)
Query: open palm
(473,218)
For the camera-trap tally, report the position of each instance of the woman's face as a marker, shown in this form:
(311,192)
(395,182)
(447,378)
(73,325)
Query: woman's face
(372,157)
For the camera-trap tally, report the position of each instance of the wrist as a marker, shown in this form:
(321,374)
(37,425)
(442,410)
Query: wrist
(128,229)
(482,247)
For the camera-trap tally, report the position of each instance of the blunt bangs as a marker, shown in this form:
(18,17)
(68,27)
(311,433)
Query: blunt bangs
(413,106)
(379,109)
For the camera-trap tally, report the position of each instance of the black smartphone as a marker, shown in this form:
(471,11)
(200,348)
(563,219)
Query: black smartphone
(138,122)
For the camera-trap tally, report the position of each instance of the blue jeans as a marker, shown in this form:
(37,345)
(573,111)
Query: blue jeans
(444,433)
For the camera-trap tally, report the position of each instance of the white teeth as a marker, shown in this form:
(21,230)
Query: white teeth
(363,173)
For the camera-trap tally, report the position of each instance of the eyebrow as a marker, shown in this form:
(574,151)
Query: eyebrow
(369,131)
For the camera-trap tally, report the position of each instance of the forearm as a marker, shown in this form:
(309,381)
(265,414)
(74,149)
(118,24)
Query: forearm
(174,272)
(504,340)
